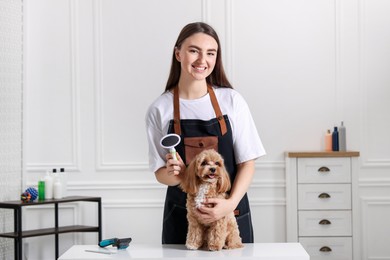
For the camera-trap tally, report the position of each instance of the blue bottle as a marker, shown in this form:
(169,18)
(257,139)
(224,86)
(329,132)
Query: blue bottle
(335,139)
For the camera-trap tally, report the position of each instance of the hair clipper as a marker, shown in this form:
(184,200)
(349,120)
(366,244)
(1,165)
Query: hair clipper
(120,243)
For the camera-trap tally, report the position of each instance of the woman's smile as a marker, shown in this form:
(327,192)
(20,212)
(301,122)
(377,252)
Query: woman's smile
(199,68)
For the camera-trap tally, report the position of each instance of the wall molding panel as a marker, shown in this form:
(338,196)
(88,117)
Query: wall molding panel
(261,184)
(102,163)
(367,207)
(339,86)
(115,185)
(267,202)
(135,203)
(154,185)
(229,43)
(72,24)
(122,166)
(143,203)
(375,164)
(75,81)
(98,74)
(369,134)
(144,166)
(374,182)
(205,10)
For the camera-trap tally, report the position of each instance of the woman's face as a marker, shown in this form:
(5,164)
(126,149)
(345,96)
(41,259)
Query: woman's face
(197,55)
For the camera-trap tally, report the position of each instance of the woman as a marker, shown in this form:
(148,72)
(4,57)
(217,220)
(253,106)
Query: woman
(201,106)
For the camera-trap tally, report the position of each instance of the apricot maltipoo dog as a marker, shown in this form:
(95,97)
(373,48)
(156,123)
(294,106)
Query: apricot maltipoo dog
(206,177)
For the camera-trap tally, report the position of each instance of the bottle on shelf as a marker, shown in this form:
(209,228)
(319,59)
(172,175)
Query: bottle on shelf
(342,137)
(64,181)
(57,187)
(41,189)
(328,141)
(48,185)
(335,139)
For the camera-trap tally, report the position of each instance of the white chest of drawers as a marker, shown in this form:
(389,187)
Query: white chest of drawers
(322,203)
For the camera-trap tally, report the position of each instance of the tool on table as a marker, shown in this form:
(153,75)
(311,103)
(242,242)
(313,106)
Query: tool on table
(120,243)
(100,252)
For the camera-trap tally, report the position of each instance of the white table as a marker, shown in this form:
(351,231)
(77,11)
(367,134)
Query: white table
(269,251)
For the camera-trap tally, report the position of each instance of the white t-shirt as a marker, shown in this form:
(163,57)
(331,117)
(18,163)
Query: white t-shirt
(246,141)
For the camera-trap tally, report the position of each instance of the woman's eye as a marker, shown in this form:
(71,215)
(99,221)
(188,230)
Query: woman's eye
(193,51)
(211,54)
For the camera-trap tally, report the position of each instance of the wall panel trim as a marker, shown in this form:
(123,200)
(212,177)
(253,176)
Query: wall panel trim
(138,203)
(367,163)
(366,202)
(115,185)
(374,182)
(149,185)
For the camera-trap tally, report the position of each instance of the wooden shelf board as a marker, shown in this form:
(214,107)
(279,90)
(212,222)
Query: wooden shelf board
(311,154)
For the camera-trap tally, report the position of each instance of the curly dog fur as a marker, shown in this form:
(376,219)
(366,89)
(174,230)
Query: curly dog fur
(206,177)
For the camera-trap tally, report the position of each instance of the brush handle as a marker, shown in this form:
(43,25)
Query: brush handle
(173,152)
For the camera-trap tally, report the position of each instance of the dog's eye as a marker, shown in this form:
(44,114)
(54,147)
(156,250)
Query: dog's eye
(218,163)
(204,163)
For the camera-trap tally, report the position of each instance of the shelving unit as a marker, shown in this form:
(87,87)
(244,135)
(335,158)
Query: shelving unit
(19,234)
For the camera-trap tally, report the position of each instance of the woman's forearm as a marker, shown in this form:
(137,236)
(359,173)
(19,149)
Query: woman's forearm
(166,178)
(242,181)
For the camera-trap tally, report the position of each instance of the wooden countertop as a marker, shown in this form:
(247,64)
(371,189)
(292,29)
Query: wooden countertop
(311,154)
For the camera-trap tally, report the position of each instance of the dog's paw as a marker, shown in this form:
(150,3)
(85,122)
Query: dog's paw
(192,247)
(233,246)
(214,247)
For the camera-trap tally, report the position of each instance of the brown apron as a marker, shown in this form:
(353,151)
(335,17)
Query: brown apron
(197,135)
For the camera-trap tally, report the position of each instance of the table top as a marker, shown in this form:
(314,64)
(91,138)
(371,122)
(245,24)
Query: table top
(274,251)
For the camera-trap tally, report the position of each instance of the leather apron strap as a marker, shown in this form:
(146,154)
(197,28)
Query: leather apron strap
(214,102)
(176,111)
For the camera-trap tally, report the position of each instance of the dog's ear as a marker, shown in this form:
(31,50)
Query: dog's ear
(223,184)
(189,182)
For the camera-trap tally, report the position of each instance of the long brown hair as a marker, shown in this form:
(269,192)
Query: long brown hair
(217,77)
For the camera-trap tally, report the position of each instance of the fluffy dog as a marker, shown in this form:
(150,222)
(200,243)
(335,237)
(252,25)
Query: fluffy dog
(206,177)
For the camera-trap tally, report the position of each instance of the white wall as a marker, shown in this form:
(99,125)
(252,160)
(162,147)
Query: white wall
(92,68)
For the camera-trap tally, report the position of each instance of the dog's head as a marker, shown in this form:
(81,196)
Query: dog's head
(207,167)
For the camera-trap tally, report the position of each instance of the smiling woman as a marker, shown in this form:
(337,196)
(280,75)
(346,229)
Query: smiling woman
(200,105)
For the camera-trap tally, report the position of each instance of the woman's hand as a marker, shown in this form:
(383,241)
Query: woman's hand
(172,172)
(173,166)
(213,209)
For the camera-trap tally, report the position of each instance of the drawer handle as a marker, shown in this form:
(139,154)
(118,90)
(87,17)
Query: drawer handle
(324,169)
(324,222)
(325,249)
(324,196)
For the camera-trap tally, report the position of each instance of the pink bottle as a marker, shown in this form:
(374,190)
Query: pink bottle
(328,141)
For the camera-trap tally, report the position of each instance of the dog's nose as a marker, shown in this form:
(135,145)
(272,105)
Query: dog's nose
(212,170)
